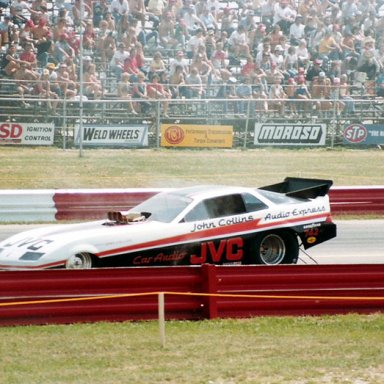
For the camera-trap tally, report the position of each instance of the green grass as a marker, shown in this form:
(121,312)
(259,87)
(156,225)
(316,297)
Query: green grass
(31,168)
(332,350)
(339,349)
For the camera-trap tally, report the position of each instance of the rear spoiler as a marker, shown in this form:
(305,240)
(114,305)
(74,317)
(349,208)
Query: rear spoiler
(302,188)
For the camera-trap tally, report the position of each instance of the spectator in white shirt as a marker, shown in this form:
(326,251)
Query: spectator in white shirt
(194,43)
(192,22)
(278,56)
(208,20)
(284,15)
(296,30)
(178,61)
(267,11)
(349,9)
(303,54)
(117,61)
(194,84)
(214,6)
(238,42)
(119,8)
(20,11)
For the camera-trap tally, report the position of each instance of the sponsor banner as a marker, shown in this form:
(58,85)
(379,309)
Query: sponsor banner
(364,134)
(27,133)
(219,136)
(290,134)
(124,135)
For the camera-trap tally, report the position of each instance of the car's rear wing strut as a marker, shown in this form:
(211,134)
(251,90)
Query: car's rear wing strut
(300,187)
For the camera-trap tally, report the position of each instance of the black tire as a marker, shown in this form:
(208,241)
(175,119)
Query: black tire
(274,248)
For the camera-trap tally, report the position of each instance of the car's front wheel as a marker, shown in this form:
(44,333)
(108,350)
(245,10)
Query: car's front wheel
(79,261)
(275,248)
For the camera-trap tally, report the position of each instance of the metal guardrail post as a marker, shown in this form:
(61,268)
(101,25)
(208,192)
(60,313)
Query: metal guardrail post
(158,124)
(247,123)
(333,123)
(65,127)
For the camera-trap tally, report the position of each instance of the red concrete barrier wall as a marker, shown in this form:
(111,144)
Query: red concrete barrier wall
(65,296)
(88,204)
(357,200)
(73,205)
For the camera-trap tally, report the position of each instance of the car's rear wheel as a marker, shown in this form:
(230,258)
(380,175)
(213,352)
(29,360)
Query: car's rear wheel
(275,248)
(79,261)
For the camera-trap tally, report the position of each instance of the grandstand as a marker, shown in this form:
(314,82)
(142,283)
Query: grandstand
(243,52)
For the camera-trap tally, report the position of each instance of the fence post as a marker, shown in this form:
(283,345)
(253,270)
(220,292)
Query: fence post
(209,285)
(161,311)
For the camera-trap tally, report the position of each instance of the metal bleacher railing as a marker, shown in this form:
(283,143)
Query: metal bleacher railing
(242,114)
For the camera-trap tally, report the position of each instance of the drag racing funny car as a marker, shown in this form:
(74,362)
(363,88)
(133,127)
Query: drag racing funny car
(187,226)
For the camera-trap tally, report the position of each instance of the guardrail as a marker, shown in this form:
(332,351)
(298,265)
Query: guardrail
(69,296)
(52,205)
(27,205)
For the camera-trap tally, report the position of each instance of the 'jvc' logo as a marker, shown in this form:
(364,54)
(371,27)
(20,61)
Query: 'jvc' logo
(226,251)
(32,244)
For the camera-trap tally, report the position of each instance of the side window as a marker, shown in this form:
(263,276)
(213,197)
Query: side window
(198,213)
(252,203)
(217,207)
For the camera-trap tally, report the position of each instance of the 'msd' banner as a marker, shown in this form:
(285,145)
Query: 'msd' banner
(26,133)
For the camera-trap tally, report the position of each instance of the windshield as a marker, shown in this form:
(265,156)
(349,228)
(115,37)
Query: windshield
(163,207)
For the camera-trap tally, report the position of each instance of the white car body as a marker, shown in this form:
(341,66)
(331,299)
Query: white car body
(188,226)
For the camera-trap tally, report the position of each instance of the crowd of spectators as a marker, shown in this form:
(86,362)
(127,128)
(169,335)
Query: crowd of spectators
(283,53)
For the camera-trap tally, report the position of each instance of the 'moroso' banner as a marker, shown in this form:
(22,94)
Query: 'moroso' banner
(183,135)
(290,134)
